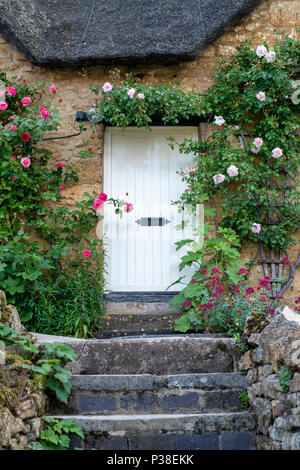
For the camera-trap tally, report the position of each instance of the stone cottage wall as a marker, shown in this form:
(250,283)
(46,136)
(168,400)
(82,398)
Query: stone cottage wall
(275,400)
(73,87)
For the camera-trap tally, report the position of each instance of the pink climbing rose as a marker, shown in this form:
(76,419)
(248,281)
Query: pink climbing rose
(261,51)
(44,112)
(261,96)
(232,170)
(52,89)
(107,87)
(98,203)
(141,96)
(128,207)
(3,105)
(59,165)
(131,92)
(11,90)
(219,178)
(256,228)
(270,56)
(102,197)
(26,162)
(87,253)
(277,152)
(26,101)
(25,136)
(258,142)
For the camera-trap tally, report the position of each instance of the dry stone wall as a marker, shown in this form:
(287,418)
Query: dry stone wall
(273,373)
(22,399)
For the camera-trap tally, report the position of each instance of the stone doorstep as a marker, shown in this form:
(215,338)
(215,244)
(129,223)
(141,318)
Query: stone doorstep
(151,355)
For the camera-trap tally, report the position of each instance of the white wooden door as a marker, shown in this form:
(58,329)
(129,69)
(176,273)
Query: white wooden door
(140,256)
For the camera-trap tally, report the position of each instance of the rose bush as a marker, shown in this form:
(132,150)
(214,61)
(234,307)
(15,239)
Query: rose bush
(55,289)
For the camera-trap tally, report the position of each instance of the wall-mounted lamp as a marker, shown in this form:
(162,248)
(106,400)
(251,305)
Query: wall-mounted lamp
(91,115)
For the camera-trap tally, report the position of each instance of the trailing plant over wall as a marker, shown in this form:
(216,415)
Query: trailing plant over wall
(134,103)
(246,170)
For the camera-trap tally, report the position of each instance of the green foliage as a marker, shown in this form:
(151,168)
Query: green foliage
(55,288)
(285,376)
(167,102)
(245,404)
(258,193)
(56,434)
(219,297)
(48,360)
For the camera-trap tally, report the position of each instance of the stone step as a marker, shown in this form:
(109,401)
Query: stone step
(116,394)
(172,354)
(135,313)
(213,431)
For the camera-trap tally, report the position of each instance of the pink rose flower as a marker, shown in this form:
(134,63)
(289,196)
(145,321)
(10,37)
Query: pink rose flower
(261,96)
(219,178)
(141,96)
(25,101)
(261,51)
(107,87)
(98,203)
(12,127)
(102,197)
(219,120)
(87,253)
(189,170)
(255,150)
(270,56)
(128,207)
(44,112)
(11,90)
(277,152)
(62,188)
(25,136)
(52,89)
(59,165)
(256,228)
(232,170)
(3,105)
(131,92)
(26,162)
(258,142)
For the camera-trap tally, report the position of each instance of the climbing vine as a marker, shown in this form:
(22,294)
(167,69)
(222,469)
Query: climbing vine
(247,167)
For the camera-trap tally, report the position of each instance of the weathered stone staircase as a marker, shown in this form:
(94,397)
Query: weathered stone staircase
(174,392)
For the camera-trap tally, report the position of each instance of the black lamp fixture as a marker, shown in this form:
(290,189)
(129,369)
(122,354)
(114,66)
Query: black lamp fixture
(91,115)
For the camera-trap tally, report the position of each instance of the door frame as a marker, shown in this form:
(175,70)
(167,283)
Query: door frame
(146,296)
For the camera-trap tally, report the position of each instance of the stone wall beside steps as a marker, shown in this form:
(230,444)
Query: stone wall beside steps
(273,352)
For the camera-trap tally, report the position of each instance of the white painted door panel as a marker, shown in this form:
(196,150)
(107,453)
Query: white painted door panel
(141,163)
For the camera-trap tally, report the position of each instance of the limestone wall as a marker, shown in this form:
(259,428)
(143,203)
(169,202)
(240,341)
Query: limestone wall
(273,373)
(22,398)
(73,87)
